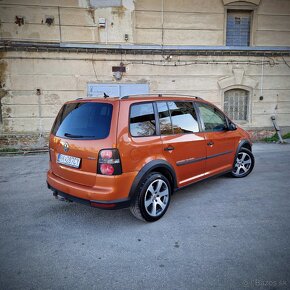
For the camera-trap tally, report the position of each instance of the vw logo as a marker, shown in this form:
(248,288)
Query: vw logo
(65,147)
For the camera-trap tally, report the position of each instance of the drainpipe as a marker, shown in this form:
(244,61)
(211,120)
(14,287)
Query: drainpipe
(1,118)
(2,95)
(106,31)
(162,27)
(59,24)
(262,79)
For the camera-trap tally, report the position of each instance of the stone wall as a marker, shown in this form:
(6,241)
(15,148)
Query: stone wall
(24,141)
(60,77)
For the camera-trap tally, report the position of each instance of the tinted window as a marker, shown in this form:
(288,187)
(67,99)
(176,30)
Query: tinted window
(212,118)
(164,119)
(183,117)
(142,120)
(83,121)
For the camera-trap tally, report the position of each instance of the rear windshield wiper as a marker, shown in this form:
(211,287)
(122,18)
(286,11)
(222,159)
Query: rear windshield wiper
(76,136)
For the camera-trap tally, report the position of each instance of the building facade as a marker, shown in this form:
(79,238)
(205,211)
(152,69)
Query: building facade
(235,54)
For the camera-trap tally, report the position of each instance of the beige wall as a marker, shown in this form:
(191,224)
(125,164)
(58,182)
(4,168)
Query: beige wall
(186,22)
(64,76)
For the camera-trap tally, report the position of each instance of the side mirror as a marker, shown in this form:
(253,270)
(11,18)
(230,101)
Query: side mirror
(232,126)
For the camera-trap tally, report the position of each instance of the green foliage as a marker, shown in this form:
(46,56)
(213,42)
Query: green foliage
(5,150)
(275,138)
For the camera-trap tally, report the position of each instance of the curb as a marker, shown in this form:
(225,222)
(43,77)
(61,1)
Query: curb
(24,152)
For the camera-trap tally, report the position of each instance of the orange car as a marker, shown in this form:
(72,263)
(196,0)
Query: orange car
(135,151)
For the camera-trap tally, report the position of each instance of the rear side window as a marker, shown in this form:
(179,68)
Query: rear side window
(183,117)
(212,118)
(88,121)
(164,119)
(142,120)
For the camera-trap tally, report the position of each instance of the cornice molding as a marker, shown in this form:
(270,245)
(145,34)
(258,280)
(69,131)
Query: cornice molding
(254,2)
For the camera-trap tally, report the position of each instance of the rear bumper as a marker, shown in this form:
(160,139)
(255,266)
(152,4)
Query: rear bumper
(113,204)
(109,192)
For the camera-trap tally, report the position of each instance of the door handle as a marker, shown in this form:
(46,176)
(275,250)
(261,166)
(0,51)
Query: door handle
(210,143)
(169,148)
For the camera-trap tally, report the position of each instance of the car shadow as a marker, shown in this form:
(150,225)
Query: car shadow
(72,213)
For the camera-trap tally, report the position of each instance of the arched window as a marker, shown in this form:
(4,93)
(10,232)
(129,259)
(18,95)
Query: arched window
(236,104)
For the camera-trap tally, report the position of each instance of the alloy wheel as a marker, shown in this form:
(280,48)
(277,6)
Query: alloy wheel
(156,198)
(243,164)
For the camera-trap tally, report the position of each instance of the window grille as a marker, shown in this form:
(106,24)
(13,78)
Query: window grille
(236,104)
(238,28)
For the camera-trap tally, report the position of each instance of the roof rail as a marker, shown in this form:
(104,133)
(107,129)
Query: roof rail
(160,95)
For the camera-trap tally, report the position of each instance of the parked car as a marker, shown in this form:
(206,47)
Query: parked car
(135,151)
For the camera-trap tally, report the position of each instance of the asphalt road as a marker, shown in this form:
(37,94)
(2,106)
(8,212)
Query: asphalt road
(223,233)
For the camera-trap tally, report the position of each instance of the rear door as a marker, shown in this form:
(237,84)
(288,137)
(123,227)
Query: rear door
(80,130)
(183,143)
(220,142)
(139,142)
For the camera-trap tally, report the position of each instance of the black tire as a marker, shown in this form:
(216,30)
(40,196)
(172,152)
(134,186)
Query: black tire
(243,164)
(151,206)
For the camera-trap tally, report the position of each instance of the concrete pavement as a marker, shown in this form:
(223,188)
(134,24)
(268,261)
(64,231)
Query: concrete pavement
(223,233)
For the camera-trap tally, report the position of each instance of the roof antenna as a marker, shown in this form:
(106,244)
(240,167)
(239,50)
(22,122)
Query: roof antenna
(106,96)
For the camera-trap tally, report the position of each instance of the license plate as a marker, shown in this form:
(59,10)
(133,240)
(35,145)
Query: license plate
(69,160)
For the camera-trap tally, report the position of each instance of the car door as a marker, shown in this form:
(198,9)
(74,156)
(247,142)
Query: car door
(139,143)
(220,142)
(183,143)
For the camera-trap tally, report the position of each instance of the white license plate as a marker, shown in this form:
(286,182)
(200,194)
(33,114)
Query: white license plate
(68,160)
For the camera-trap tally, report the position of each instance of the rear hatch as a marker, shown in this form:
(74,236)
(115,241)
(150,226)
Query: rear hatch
(80,131)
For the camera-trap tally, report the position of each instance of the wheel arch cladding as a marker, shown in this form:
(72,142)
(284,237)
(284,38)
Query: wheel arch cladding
(244,143)
(159,166)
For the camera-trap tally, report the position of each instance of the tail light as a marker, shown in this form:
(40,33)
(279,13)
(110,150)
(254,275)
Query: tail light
(109,162)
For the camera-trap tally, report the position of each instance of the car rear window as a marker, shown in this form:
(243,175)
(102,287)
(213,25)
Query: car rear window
(81,120)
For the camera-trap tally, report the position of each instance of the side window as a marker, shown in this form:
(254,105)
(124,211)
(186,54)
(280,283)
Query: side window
(212,118)
(164,119)
(142,120)
(183,117)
